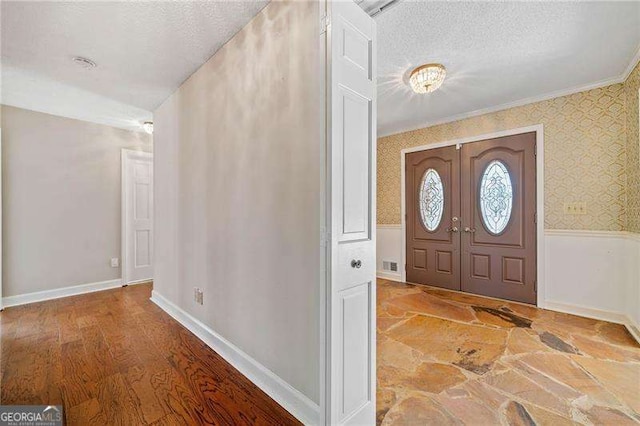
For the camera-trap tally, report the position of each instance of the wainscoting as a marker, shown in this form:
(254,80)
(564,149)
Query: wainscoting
(595,274)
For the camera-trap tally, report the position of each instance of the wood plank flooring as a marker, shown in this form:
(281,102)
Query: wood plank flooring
(113,357)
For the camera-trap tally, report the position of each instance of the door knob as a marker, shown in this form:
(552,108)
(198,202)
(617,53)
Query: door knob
(453,229)
(467,229)
(356,263)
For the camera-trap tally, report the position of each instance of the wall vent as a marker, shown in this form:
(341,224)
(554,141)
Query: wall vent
(388,265)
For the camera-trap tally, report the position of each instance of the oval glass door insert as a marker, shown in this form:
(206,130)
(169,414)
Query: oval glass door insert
(496,197)
(431,200)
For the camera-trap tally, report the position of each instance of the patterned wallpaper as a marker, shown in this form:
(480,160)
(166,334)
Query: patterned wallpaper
(585,156)
(631,87)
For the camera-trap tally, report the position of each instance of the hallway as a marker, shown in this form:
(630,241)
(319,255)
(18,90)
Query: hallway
(114,357)
(446,357)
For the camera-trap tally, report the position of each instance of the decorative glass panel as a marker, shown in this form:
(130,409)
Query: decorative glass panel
(496,197)
(431,200)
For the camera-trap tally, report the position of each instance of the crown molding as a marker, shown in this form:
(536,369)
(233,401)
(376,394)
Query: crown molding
(526,101)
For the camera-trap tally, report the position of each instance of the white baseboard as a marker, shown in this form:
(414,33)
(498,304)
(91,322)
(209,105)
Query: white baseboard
(391,276)
(598,314)
(584,311)
(283,393)
(41,296)
(633,328)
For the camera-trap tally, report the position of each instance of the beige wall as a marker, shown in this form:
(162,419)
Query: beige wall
(61,200)
(237,156)
(585,155)
(631,87)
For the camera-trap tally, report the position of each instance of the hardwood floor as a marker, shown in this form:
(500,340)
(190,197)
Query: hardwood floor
(113,357)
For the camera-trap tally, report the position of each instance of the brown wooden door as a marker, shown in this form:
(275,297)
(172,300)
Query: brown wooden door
(498,190)
(433,199)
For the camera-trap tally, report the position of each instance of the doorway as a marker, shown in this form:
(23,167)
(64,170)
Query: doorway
(471,217)
(137,217)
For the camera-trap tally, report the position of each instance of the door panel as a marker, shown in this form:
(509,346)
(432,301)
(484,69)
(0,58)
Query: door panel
(351,130)
(138,214)
(433,256)
(499,248)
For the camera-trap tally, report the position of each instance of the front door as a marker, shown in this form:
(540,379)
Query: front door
(433,228)
(471,213)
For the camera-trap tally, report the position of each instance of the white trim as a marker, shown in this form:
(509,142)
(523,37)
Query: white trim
(41,296)
(539,130)
(526,101)
(633,328)
(125,156)
(589,233)
(391,276)
(283,393)
(390,226)
(598,314)
(584,311)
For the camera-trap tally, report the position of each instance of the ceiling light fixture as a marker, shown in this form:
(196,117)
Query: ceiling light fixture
(84,62)
(148,126)
(427,78)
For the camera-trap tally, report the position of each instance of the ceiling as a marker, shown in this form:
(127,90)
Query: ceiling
(143,50)
(497,54)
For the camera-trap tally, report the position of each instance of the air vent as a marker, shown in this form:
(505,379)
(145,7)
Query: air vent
(388,265)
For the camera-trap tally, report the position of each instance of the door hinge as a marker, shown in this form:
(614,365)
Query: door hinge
(325,21)
(535,150)
(535,286)
(535,217)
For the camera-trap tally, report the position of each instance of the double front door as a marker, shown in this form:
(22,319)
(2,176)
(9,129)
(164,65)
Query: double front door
(471,217)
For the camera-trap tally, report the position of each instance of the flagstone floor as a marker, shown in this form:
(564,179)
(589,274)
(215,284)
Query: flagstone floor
(453,358)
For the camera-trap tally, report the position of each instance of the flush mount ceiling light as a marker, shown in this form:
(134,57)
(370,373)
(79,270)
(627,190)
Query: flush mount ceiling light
(84,62)
(427,78)
(148,126)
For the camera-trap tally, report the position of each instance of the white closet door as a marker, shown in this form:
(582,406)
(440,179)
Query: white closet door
(138,216)
(352,262)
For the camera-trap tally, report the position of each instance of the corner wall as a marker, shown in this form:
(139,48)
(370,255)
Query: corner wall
(237,204)
(61,201)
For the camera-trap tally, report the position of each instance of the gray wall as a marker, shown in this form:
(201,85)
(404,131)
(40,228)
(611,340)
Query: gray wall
(61,200)
(237,181)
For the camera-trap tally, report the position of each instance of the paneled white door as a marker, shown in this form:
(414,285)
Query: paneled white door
(137,209)
(351,140)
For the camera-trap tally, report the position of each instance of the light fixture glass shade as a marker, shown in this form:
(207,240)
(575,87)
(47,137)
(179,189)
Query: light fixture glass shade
(148,126)
(427,78)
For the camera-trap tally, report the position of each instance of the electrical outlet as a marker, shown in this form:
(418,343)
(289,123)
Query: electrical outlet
(577,208)
(198,296)
(115,262)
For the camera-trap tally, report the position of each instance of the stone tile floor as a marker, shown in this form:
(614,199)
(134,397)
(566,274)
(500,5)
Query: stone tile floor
(454,358)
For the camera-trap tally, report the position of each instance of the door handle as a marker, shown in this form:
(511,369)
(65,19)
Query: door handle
(471,230)
(453,229)
(356,263)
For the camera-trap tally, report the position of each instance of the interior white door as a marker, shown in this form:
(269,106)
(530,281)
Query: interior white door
(352,135)
(138,216)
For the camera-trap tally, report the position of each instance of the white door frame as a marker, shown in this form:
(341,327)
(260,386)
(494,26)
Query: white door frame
(126,156)
(539,130)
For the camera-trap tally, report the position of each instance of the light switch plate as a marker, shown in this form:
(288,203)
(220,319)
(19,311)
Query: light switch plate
(576,208)
(115,262)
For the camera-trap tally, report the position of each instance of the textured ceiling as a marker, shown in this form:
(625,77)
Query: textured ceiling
(144,51)
(497,53)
